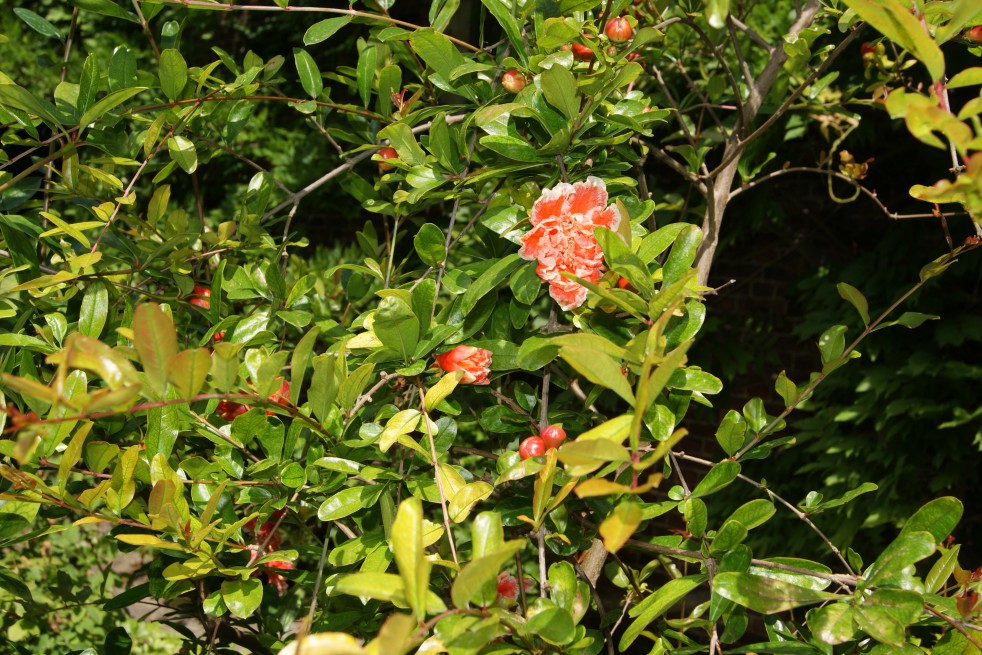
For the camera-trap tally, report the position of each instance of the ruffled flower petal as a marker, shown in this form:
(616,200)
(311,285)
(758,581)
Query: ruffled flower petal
(562,239)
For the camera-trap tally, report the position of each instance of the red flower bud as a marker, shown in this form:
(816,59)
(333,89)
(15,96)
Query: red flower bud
(508,586)
(553,436)
(228,410)
(387,153)
(974,34)
(513,81)
(619,30)
(532,447)
(281,396)
(200,297)
(581,52)
(474,362)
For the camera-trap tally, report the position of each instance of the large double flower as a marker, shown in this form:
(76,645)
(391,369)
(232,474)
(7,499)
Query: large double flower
(562,241)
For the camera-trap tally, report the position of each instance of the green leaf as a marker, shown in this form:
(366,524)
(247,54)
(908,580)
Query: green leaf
(108,103)
(657,604)
(480,571)
(242,597)
(832,343)
(620,524)
(436,394)
(380,586)
(106,8)
(118,642)
(682,255)
(939,517)
(800,579)
(122,69)
(730,535)
(188,370)
(894,20)
(310,75)
(879,624)
(786,389)
(658,241)
(584,456)
(719,476)
(820,506)
(731,433)
(487,534)
(559,89)
(856,298)
(345,503)
(909,320)
(834,624)
(183,152)
(407,546)
(908,548)
(299,361)
(511,147)
(36,23)
(599,368)
(765,595)
(441,55)
(225,366)
(623,261)
(386,587)
(173,73)
(942,570)
(88,85)
(396,326)
(753,513)
(487,281)
(503,13)
(716,13)
(365,73)
(325,29)
(163,424)
(553,625)
(401,136)
(430,243)
(155,341)
(13,584)
(94,310)
(20,98)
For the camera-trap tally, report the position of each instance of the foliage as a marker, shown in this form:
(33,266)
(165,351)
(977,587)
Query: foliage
(312,450)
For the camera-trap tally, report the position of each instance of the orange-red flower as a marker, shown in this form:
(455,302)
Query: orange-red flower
(474,362)
(562,241)
(508,587)
(265,535)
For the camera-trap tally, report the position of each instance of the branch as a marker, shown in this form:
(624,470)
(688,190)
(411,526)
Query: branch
(206,4)
(295,198)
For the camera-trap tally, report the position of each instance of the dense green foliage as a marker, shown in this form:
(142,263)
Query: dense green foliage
(272,328)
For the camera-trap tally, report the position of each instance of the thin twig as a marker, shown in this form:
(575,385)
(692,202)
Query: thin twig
(206,4)
(436,472)
(797,512)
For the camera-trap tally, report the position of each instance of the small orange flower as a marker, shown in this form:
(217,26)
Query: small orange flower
(562,239)
(474,362)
